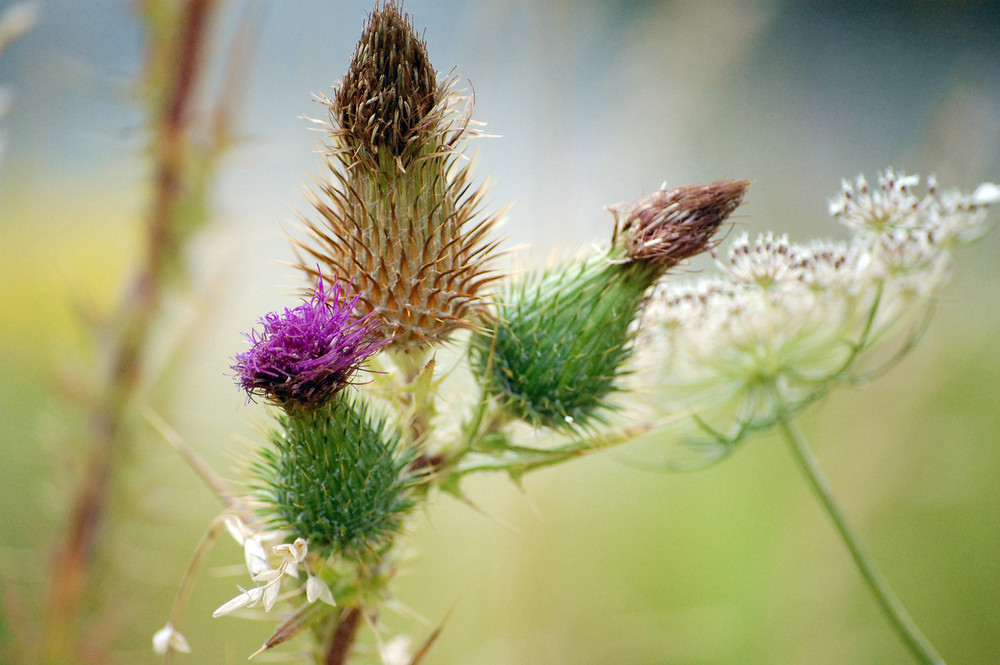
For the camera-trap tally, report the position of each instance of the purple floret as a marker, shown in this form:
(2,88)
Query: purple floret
(305,355)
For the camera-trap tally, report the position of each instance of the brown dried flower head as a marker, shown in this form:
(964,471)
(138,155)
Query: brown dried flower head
(671,225)
(390,87)
(400,215)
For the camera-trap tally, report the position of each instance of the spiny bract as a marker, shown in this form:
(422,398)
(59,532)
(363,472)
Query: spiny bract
(336,478)
(400,215)
(560,341)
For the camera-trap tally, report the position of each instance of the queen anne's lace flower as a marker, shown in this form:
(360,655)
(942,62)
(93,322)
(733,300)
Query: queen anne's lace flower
(948,216)
(767,262)
(786,321)
(891,202)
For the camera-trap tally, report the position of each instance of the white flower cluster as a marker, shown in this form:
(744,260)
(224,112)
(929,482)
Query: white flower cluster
(290,556)
(785,322)
(291,559)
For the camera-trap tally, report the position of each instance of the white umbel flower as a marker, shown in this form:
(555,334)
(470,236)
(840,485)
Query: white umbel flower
(784,323)
(767,262)
(891,202)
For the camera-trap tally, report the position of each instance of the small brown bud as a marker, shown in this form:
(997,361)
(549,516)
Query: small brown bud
(390,87)
(671,225)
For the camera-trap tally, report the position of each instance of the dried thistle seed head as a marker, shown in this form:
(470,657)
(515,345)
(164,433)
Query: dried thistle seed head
(675,224)
(390,88)
(400,213)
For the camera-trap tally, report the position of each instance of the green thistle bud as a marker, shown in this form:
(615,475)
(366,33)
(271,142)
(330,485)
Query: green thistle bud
(400,216)
(560,341)
(335,477)
(561,338)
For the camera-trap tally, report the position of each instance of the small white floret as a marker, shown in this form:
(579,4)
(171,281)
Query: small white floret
(255,556)
(167,638)
(248,598)
(986,194)
(316,589)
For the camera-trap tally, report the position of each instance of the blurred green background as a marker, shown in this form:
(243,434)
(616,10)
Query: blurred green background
(597,102)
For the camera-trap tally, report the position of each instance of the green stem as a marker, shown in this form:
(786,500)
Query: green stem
(922,650)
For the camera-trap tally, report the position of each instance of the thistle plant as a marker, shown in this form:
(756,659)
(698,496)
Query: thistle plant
(402,253)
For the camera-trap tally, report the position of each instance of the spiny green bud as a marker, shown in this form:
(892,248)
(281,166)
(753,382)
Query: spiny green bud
(336,477)
(560,340)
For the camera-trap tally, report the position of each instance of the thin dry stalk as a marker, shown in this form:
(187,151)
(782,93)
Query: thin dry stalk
(75,554)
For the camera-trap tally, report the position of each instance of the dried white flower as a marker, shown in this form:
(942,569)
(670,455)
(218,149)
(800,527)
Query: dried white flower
(259,567)
(317,589)
(246,598)
(169,639)
(397,651)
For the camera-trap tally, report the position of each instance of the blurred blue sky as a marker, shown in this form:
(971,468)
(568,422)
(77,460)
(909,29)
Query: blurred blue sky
(596,101)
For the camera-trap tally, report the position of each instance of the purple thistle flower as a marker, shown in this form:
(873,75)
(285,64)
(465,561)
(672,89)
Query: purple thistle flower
(305,355)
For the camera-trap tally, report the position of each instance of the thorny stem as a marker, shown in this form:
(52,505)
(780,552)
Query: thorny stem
(74,556)
(519,460)
(921,649)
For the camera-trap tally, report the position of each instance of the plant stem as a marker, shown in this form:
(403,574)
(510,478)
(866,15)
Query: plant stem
(343,637)
(78,547)
(923,651)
